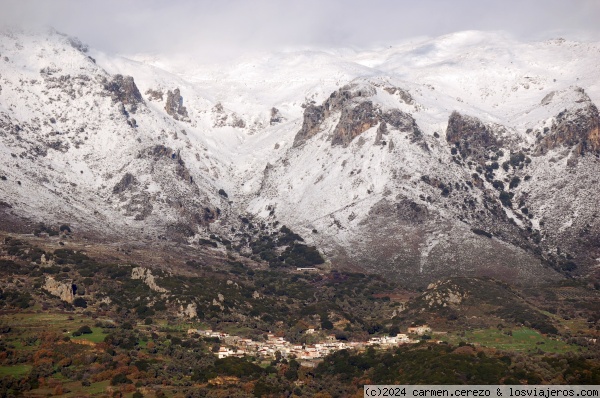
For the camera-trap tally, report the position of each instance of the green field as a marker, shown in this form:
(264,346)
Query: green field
(97,336)
(14,370)
(523,339)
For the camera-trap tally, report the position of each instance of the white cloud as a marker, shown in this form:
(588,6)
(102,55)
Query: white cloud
(229,27)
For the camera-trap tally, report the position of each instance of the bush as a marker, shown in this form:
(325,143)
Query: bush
(499,185)
(119,378)
(80,302)
(514,182)
(326,325)
(505,199)
(85,330)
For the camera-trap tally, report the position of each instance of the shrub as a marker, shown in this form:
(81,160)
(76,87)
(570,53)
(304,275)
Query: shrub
(514,182)
(499,185)
(119,378)
(80,302)
(326,325)
(85,330)
(505,199)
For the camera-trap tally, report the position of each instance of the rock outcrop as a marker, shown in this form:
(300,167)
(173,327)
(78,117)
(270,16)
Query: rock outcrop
(154,95)
(275,117)
(578,128)
(189,311)
(126,183)
(63,290)
(468,129)
(471,137)
(223,118)
(353,122)
(123,89)
(357,115)
(174,106)
(146,276)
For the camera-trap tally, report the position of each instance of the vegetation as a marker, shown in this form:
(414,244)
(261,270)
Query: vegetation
(129,339)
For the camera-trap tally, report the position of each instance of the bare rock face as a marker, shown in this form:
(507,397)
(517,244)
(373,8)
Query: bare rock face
(275,116)
(159,152)
(469,129)
(63,290)
(126,183)
(174,106)
(381,131)
(403,94)
(189,311)
(472,137)
(353,122)
(578,128)
(357,115)
(314,115)
(77,44)
(146,276)
(123,89)
(154,95)
(223,118)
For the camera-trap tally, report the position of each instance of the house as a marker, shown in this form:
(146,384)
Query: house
(419,330)
(224,352)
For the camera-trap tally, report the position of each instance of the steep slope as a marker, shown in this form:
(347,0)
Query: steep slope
(82,146)
(469,154)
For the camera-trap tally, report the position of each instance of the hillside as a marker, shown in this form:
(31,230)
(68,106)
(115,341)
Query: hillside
(470,154)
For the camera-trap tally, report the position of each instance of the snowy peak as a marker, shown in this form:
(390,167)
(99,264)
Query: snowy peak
(468,154)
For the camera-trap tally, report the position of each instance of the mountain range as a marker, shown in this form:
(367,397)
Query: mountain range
(470,154)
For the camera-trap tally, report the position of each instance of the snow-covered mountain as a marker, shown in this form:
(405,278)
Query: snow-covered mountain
(467,154)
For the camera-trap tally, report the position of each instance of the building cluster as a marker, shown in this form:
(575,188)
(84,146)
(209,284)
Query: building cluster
(238,347)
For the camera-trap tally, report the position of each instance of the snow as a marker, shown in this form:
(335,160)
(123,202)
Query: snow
(485,74)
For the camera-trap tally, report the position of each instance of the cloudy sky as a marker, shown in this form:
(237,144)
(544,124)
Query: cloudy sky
(235,26)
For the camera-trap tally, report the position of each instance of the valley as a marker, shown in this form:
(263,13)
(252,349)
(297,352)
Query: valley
(87,319)
(282,224)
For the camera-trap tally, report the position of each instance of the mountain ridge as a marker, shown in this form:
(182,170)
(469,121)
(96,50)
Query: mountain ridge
(425,166)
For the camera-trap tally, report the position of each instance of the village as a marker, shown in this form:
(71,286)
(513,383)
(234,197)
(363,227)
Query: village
(235,346)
